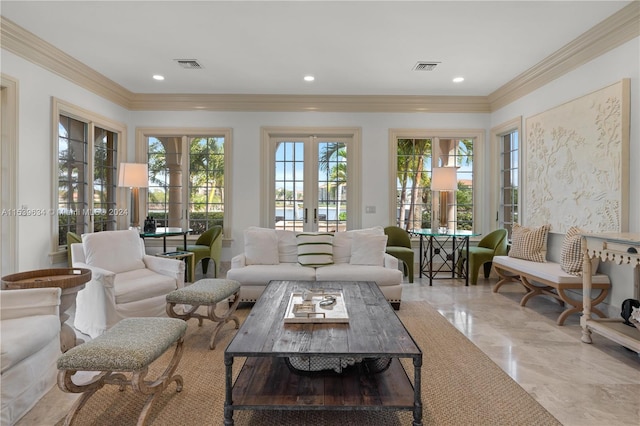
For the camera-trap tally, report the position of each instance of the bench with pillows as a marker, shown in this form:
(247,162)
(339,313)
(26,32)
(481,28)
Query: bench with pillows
(356,255)
(527,264)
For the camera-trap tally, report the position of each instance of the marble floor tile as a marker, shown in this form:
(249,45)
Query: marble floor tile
(580,384)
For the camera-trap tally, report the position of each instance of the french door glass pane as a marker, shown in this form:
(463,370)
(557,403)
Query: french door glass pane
(289,185)
(331,215)
(104,180)
(72,172)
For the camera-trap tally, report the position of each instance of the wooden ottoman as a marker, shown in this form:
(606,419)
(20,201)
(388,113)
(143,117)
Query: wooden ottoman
(129,346)
(207,292)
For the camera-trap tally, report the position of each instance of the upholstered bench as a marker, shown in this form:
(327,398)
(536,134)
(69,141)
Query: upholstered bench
(129,346)
(548,278)
(207,292)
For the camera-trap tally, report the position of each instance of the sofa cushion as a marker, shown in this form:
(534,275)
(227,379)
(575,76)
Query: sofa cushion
(346,272)
(368,249)
(529,243)
(261,246)
(141,284)
(287,246)
(315,249)
(115,251)
(22,337)
(262,274)
(342,242)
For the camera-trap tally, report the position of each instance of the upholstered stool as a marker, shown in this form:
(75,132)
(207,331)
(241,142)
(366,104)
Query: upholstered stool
(129,346)
(207,292)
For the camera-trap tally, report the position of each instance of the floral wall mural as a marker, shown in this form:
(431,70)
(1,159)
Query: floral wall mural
(577,162)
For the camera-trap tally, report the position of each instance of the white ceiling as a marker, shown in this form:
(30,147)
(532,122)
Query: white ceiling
(351,47)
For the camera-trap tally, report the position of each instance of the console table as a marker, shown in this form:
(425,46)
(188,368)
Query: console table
(620,249)
(434,246)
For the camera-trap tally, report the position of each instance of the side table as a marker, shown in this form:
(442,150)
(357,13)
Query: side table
(188,257)
(70,280)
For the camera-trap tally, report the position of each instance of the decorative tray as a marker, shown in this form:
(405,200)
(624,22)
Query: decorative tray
(316,307)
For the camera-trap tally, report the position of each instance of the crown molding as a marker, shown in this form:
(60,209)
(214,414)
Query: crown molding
(609,34)
(27,45)
(305,103)
(614,31)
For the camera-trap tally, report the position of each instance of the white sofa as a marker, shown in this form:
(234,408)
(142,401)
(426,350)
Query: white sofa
(125,282)
(357,255)
(30,346)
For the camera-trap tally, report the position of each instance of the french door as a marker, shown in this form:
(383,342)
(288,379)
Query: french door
(310,182)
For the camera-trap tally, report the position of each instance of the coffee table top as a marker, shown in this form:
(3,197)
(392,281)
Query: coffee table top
(373,329)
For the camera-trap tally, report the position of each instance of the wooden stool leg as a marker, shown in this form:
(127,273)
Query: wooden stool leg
(226,317)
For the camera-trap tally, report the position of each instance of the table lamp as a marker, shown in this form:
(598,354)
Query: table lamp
(445,180)
(134,176)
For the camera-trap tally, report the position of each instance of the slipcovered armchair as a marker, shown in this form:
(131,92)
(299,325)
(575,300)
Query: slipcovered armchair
(207,246)
(30,346)
(492,244)
(125,282)
(399,246)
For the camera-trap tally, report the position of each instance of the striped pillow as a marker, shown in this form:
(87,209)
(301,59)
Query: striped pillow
(315,249)
(529,243)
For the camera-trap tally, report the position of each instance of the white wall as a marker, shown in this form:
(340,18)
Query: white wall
(623,62)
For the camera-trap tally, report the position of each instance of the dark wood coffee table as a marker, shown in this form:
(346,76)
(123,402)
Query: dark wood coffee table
(266,383)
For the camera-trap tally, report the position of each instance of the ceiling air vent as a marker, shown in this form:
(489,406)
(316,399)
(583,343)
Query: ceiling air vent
(425,66)
(190,64)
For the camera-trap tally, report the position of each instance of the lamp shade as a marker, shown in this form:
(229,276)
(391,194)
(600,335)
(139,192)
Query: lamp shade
(444,179)
(133,175)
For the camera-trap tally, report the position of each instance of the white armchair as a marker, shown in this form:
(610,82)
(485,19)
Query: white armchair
(30,346)
(125,282)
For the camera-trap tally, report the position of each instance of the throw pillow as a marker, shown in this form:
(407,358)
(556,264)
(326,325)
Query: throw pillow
(571,253)
(368,249)
(342,242)
(287,246)
(315,249)
(261,246)
(529,243)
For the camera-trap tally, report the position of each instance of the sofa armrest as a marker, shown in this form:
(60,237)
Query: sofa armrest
(390,261)
(238,261)
(29,302)
(173,268)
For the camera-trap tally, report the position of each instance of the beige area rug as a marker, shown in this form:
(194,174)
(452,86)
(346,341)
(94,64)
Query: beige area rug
(460,386)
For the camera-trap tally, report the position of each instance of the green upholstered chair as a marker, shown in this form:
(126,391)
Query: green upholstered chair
(492,244)
(399,246)
(207,246)
(72,238)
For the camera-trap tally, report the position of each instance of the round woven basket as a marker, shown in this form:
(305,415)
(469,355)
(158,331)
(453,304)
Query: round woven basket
(56,277)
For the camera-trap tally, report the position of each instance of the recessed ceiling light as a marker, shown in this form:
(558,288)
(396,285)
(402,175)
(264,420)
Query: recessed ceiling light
(158,77)
(309,78)
(458,79)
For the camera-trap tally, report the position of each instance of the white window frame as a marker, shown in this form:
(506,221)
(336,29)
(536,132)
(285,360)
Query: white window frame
(354,160)
(92,119)
(497,132)
(478,136)
(142,133)
(9,178)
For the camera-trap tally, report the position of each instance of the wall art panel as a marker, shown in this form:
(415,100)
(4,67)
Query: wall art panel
(576,162)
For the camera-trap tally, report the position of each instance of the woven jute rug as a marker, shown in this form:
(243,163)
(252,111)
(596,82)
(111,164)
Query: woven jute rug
(460,386)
